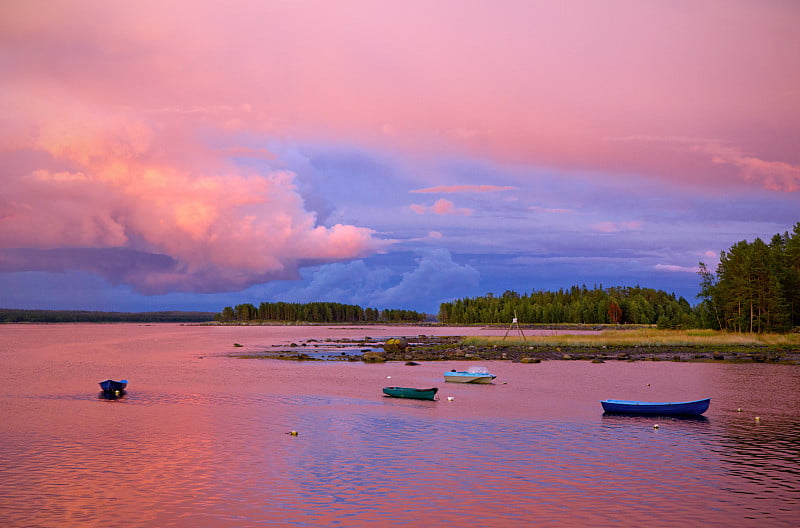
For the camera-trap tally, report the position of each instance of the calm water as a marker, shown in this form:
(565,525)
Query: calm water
(201,439)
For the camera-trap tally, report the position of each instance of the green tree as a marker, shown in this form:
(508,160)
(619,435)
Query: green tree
(756,287)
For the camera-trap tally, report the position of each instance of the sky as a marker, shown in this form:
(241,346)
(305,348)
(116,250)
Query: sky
(190,155)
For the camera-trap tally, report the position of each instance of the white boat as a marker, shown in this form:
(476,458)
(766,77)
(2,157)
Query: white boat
(473,375)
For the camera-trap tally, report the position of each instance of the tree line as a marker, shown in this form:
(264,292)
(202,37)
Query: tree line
(756,287)
(580,305)
(315,312)
(80,316)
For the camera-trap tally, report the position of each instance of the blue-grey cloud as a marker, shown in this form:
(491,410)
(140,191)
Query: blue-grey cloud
(435,278)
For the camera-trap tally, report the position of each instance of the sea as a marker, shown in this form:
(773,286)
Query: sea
(204,439)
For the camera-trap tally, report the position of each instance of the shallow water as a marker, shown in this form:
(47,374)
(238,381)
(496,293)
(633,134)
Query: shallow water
(200,439)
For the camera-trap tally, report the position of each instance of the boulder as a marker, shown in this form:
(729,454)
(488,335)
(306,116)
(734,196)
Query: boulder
(373,357)
(395,345)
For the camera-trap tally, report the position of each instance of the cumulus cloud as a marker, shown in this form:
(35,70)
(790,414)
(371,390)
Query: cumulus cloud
(101,193)
(441,207)
(437,276)
(435,279)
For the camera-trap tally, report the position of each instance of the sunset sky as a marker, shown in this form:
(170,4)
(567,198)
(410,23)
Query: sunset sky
(189,155)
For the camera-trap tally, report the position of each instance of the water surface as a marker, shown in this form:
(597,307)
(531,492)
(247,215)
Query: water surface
(200,439)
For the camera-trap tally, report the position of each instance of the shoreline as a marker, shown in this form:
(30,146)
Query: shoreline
(450,348)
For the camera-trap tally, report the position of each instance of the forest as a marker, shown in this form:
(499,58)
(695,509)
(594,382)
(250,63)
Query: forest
(315,312)
(581,305)
(80,316)
(756,287)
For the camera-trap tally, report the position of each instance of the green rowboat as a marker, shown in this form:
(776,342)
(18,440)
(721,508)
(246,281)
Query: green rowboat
(408,392)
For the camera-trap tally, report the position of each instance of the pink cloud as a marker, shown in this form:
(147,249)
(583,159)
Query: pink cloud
(776,176)
(576,87)
(613,227)
(443,189)
(441,207)
(772,175)
(219,226)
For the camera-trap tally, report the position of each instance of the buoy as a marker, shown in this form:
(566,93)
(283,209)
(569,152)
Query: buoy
(655,426)
(293,433)
(739,409)
(388,377)
(450,398)
(758,418)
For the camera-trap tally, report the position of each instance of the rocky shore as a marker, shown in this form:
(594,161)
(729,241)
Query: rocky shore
(449,348)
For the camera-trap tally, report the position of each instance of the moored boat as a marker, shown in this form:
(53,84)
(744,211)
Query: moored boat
(694,407)
(113,386)
(473,375)
(409,392)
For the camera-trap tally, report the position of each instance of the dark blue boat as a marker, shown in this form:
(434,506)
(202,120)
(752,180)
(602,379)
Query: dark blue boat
(694,407)
(408,392)
(113,386)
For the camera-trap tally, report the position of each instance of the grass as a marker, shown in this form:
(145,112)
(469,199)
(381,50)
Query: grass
(643,337)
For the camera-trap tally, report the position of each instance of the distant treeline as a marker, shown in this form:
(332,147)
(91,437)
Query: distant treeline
(756,287)
(617,305)
(315,312)
(76,316)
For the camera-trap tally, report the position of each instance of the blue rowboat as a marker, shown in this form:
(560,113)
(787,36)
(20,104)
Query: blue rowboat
(113,386)
(408,392)
(694,407)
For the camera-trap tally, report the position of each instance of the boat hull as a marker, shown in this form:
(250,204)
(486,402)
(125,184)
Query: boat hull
(411,393)
(112,386)
(694,407)
(468,377)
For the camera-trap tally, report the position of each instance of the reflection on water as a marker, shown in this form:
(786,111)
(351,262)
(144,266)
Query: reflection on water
(111,395)
(205,443)
(652,417)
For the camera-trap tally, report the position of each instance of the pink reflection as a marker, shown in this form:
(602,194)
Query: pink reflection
(201,439)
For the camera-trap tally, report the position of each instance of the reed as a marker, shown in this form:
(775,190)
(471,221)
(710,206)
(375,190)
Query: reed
(642,337)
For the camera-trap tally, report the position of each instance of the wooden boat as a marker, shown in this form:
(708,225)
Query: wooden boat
(473,375)
(408,392)
(694,407)
(113,386)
